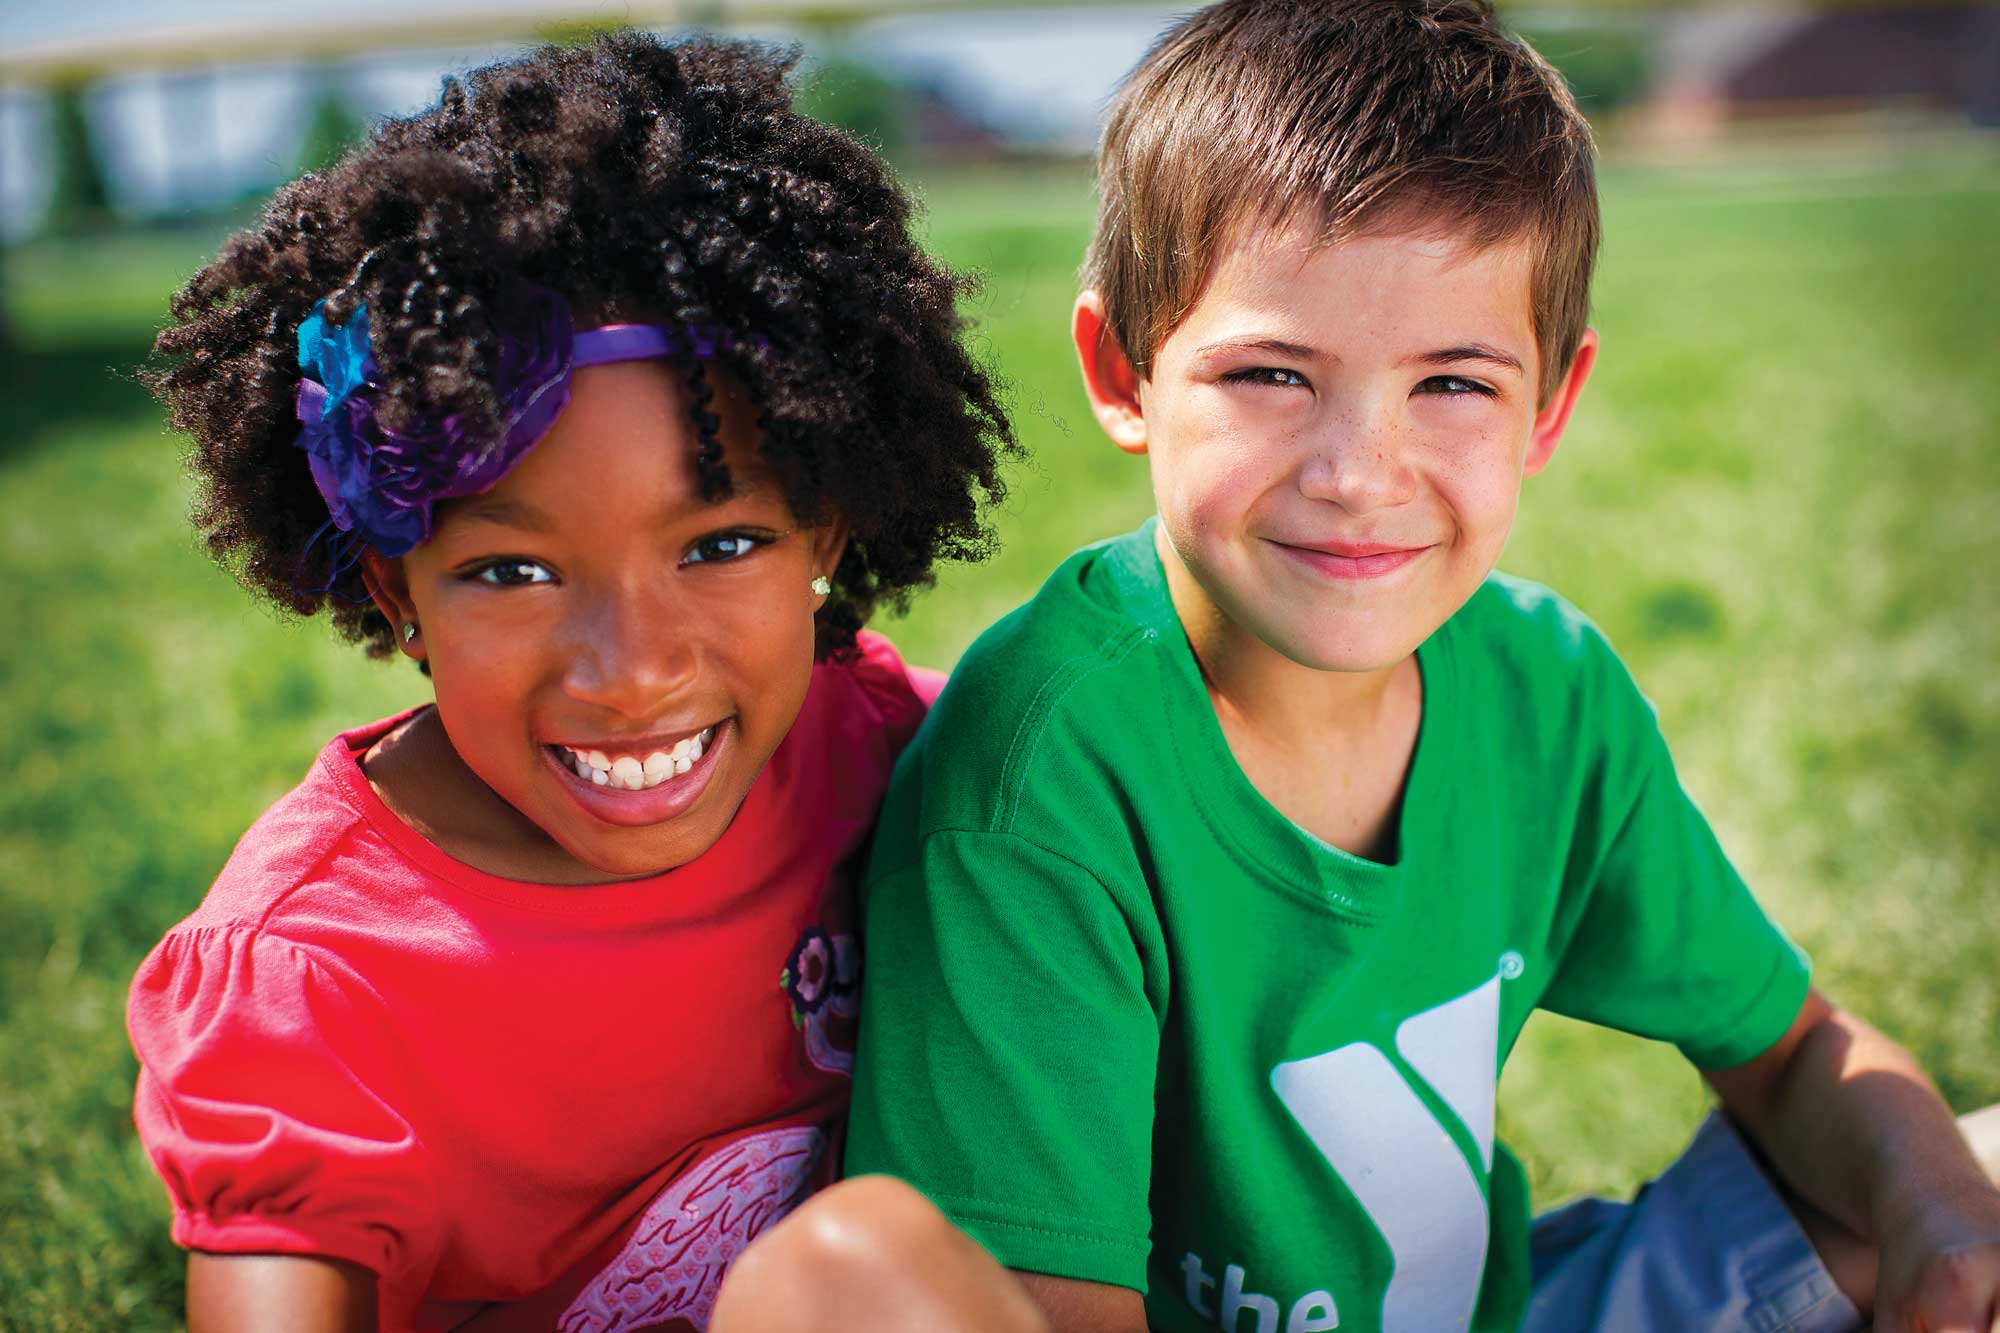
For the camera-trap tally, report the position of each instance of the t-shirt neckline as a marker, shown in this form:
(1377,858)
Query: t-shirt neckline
(1241,817)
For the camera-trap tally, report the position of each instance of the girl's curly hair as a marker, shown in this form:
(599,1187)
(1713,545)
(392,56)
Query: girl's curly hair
(643,181)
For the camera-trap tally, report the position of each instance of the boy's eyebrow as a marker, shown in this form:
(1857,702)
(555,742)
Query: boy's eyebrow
(503,510)
(1296,351)
(1445,356)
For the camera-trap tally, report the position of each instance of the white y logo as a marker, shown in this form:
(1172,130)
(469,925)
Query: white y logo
(1409,1174)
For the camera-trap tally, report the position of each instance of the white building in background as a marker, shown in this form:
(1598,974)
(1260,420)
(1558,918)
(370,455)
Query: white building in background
(196,102)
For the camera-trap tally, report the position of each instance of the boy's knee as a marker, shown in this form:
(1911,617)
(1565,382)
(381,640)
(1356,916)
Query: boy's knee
(870,1253)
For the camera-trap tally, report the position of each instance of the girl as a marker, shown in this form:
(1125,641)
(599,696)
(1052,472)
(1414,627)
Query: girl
(616,395)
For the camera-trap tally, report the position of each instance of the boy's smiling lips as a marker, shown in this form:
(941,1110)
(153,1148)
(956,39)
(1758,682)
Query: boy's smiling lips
(1351,560)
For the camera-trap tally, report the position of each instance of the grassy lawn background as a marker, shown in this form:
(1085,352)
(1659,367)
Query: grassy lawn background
(1778,497)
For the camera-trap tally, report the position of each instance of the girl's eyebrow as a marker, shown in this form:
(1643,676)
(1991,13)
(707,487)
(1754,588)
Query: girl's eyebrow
(505,511)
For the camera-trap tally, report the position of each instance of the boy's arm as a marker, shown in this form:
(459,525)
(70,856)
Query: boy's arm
(1852,1124)
(259,1292)
(1074,1306)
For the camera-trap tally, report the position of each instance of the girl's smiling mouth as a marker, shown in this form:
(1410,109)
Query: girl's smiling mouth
(637,784)
(636,768)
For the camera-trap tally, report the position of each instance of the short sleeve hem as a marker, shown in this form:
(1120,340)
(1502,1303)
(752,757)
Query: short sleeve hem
(1766,1019)
(1036,1247)
(304,1238)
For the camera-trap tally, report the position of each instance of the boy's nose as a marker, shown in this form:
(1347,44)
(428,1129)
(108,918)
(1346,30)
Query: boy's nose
(1358,463)
(630,653)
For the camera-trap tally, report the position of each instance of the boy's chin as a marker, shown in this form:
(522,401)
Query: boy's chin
(1354,650)
(1347,659)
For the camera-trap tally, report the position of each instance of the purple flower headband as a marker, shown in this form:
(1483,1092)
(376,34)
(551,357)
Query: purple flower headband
(380,485)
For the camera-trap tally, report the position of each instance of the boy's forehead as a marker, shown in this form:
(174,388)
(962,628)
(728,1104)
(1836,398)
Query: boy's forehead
(1285,272)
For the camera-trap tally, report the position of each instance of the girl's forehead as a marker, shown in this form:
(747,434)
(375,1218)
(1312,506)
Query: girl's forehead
(626,449)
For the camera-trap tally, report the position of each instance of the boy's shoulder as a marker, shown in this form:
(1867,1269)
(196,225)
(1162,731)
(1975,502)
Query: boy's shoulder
(1527,635)
(1073,662)
(1519,617)
(1087,617)
(1541,683)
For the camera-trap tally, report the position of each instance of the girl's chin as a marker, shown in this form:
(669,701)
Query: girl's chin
(601,864)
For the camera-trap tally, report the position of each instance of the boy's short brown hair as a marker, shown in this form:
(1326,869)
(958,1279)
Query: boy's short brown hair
(1371,113)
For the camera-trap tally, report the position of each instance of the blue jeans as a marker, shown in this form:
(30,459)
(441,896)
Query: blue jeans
(1709,1244)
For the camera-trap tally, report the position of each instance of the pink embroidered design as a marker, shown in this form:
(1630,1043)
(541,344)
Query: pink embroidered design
(822,979)
(672,1266)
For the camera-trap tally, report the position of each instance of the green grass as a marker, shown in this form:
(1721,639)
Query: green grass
(1778,497)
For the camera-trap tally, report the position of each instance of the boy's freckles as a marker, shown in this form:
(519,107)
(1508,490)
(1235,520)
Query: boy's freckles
(1338,434)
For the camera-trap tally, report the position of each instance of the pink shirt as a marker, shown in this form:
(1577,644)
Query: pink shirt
(587,1099)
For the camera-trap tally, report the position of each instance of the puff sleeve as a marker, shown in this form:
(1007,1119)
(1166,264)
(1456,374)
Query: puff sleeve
(898,693)
(267,1101)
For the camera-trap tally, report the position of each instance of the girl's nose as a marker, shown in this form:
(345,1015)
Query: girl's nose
(630,652)
(1358,461)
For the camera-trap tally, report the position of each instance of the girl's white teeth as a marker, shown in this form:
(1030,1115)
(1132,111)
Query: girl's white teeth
(629,773)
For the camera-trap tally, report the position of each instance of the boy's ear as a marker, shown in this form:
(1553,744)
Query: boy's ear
(389,586)
(1553,416)
(1108,377)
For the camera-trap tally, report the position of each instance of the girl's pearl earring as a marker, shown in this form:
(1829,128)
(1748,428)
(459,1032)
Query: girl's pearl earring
(821,585)
(409,631)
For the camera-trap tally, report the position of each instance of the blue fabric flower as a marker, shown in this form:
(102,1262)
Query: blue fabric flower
(336,355)
(383,484)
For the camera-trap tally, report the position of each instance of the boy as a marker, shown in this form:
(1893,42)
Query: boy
(1227,871)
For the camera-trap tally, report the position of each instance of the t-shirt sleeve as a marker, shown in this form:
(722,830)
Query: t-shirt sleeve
(1663,938)
(898,693)
(1007,1054)
(266,1104)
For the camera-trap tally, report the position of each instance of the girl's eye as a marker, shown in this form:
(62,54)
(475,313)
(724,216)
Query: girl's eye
(1275,376)
(722,548)
(511,573)
(1452,386)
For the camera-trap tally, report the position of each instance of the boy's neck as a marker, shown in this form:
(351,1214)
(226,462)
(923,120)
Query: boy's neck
(1330,750)
(1265,690)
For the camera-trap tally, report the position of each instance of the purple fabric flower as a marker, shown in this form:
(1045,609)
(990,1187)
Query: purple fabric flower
(808,975)
(382,484)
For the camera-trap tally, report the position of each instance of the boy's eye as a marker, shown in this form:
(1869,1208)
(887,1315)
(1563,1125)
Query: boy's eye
(1452,386)
(1272,375)
(723,547)
(511,573)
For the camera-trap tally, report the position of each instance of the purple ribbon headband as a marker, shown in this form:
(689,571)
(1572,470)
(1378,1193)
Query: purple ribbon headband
(380,485)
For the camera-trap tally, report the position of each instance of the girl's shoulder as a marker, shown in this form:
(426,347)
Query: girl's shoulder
(875,691)
(323,832)
(859,714)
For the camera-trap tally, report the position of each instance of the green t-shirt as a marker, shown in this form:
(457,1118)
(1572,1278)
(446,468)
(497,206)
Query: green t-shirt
(1125,1022)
